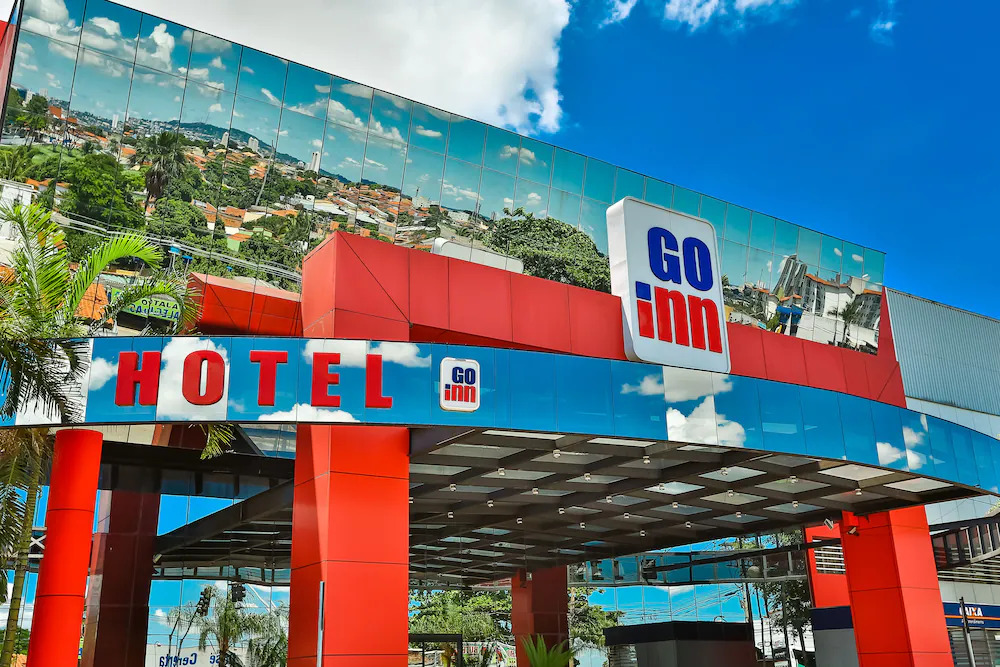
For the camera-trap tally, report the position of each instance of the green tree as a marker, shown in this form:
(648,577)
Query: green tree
(40,348)
(476,615)
(35,116)
(587,621)
(99,190)
(165,155)
(551,249)
(15,163)
(228,624)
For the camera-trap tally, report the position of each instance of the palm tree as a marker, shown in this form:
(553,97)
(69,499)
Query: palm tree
(849,314)
(15,163)
(229,623)
(165,155)
(39,300)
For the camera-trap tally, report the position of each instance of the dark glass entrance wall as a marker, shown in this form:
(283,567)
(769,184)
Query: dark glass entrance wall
(277,155)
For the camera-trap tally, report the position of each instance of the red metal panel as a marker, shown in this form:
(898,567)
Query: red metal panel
(479,300)
(429,304)
(540,313)
(746,350)
(357,286)
(824,369)
(539,606)
(784,358)
(595,321)
(390,265)
(349,324)
(856,372)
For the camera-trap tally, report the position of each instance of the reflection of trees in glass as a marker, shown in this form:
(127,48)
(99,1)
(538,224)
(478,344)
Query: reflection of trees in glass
(229,624)
(15,163)
(551,249)
(849,314)
(164,153)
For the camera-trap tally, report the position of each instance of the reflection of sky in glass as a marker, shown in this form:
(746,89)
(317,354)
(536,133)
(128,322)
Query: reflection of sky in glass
(245,379)
(406,375)
(874,265)
(307,90)
(466,139)
(111,29)
(43,66)
(889,436)
(535,163)
(599,181)
(941,451)
(859,431)
(786,238)
(211,106)
(761,230)
(350,103)
(256,119)
(916,439)
(639,406)
(497,193)
(390,117)
(567,171)
(714,211)
(686,201)
(690,397)
(262,76)
(502,149)
(759,268)
(738,225)
(564,207)
(781,417)
(155,96)
(214,61)
(738,411)
(734,262)
(384,163)
(533,197)
(583,394)
(350,386)
(54,18)
(343,152)
(594,221)
(982,445)
(660,193)
(429,128)
(300,136)
(163,45)
(809,247)
(101,405)
(97,93)
(533,404)
(423,175)
(854,260)
(628,184)
(832,254)
(460,190)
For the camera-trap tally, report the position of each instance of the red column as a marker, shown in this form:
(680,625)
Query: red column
(539,606)
(893,586)
(62,576)
(350,529)
(121,575)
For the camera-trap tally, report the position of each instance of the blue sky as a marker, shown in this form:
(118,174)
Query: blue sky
(815,111)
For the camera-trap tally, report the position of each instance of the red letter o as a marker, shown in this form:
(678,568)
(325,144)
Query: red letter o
(215,377)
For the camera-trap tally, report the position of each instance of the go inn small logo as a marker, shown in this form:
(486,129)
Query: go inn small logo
(460,385)
(664,267)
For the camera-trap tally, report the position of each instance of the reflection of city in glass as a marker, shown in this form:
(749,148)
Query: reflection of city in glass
(273,156)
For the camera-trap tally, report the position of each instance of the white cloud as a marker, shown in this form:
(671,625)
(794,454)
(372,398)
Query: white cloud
(215,108)
(271,97)
(316,143)
(101,370)
(352,352)
(619,10)
(410,48)
(171,403)
(704,427)
(322,90)
(155,50)
(159,613)
(882,27)
(424,132)
(217,63)
(651,385)
(404,354)
(305,412)
(110,27)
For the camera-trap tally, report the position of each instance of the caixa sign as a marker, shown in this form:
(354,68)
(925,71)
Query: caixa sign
(665,269)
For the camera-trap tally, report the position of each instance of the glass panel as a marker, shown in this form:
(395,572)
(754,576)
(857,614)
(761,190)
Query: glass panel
(737,409)
(854,260)
(889,436)
(809,246)
(111,29)
(916,439)
(422,179)
(567,171)
(759,270)
(300,147)
(599,181)
(690,398)
(350,103)
(781,417)
(638,401)
(583,395)
(660,193)
(821,422)
(786,238)
(501,150)
(343,153)
(163,45)
(307,90)
(429,128)
(961,441)
(761,231)
(874,265)
(496,193)
(460,190)
(734,264)
(594,221)
(390,117)
(532,197)
(100,96)
(383,164)
(833,254)
(466,139)
(859,431)
(628,184)
(262,76)
(535,163)
(206,115)
(214,61)
(564,207)
(942,452)
(43,69)
(686,201)
(982,445)
(155,103)
(714,211)
(59,21)
(737,224)
(535,408)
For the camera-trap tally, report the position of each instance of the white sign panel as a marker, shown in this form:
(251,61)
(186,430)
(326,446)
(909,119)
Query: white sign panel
(460,388)
(665,269)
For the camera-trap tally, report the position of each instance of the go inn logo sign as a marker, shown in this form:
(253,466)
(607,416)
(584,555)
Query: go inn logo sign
(459,385)
(665,269)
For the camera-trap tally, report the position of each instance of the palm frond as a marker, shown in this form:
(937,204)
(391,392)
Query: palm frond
(102,256)
(43,372)
(219,440)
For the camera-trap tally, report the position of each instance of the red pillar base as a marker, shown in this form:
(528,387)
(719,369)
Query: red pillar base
(62,575)
(539,606)
(121,576)
(350,529)
(893,586)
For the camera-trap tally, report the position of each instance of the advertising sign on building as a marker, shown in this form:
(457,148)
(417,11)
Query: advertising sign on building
(665,269)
